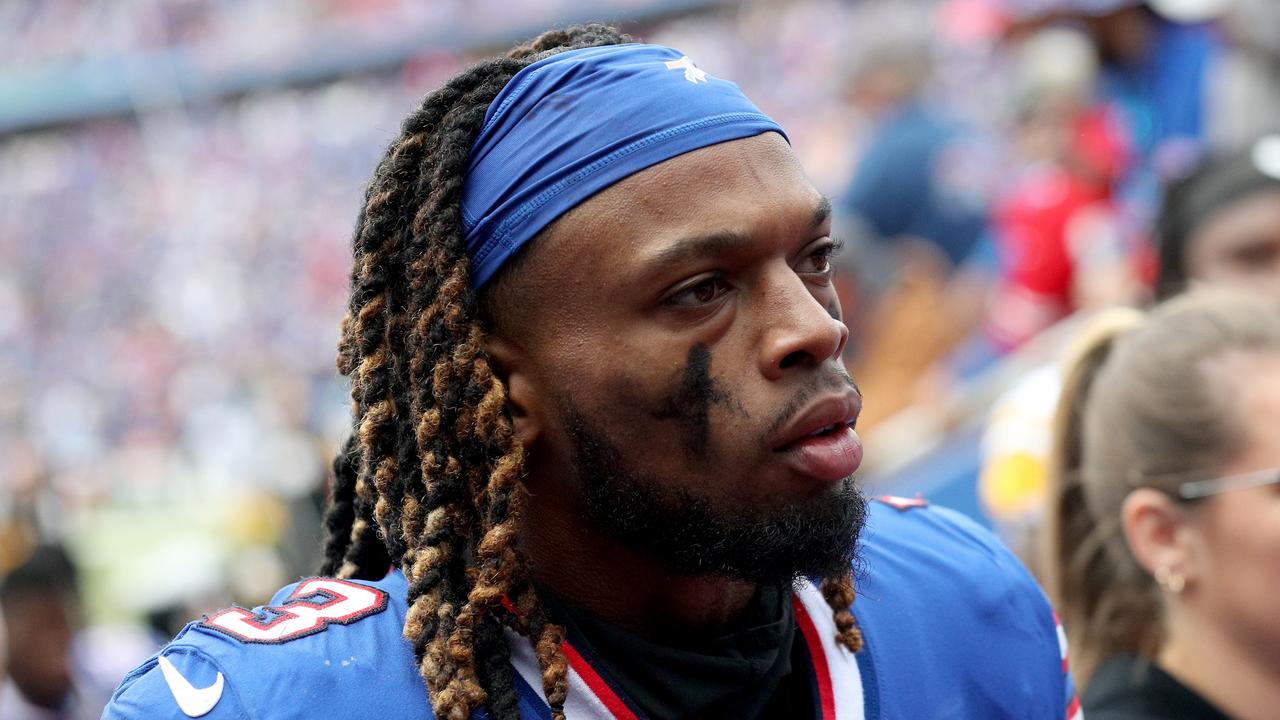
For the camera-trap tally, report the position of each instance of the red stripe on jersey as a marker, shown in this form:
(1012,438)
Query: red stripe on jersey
(826,696)
(1073,710)
(597,684)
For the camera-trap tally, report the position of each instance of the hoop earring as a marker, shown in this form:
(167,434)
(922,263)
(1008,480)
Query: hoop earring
(1170,581)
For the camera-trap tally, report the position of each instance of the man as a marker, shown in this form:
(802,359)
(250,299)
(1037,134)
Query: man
(604,438)
(40,613)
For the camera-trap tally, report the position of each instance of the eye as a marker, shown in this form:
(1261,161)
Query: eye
(701,292)
(818,261)
(1256,257)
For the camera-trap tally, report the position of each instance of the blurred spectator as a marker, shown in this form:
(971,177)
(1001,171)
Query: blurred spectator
(921,177)
(913,211)
(1153,58)
(1219,226)
(1162,532)
(1057,229)
(1154,70)
(1070,231)
(40,605)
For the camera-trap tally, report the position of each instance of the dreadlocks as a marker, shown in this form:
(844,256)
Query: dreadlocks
(430,478)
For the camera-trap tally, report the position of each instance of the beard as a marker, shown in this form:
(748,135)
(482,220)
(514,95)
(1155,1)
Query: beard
(768,544)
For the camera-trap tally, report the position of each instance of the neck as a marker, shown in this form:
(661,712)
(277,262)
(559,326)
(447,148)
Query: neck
(1204,658)
(590,569)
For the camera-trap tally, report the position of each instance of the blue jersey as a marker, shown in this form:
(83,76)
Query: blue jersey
(953,626)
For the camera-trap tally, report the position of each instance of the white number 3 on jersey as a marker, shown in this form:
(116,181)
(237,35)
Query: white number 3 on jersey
(310,608)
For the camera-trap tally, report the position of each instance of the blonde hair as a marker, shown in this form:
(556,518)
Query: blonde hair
(1138,409)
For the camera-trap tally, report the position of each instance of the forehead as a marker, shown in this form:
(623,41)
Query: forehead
(1254,377)
(750,188)
(1249,219)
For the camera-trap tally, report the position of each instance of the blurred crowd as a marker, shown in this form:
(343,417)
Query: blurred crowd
(171,280)
(41,32)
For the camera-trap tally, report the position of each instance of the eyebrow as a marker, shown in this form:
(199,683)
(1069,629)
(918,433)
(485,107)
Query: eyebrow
(687,249)
(690,248)
(822,211)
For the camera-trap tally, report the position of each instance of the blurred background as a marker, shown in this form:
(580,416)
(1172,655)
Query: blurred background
(178,180)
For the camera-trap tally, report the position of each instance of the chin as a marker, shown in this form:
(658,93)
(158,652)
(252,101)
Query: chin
(814,535)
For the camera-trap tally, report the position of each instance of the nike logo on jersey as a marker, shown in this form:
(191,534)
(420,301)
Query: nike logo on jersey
(192,701)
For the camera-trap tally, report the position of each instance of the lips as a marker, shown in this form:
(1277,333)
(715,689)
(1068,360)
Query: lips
(821,442)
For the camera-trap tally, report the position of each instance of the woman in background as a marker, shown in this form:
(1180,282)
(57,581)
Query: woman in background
(1164,519)
(1218,227)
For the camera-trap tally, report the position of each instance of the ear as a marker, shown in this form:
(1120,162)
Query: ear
(1157,531)
(513,369)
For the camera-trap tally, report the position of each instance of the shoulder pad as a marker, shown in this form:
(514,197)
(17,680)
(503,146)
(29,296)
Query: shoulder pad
(943,605)
(322,648)
(178,682)
(302,609)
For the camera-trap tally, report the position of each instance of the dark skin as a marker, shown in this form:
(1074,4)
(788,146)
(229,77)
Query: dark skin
(1239,245)
(689,311)
(41,627)
(691,403)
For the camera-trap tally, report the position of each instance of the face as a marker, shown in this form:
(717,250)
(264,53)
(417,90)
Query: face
(1239,245)
(679,371)
(1236,534)
(40,630)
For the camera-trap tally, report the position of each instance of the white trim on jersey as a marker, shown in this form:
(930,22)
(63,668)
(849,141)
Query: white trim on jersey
(581,703)
(846,678)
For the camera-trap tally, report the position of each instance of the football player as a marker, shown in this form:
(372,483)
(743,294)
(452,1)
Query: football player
(603,450)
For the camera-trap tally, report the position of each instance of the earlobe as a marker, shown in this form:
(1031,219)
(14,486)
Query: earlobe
(1155,530)
(510,368)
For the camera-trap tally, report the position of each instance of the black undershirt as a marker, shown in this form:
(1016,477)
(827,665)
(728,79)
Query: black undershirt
(1129,688)
(759,668)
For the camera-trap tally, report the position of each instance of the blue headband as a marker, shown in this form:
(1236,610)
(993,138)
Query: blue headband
(568,126)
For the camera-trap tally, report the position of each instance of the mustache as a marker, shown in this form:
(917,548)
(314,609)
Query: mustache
(830,381)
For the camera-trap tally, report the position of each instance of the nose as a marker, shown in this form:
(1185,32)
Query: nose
(800,331)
